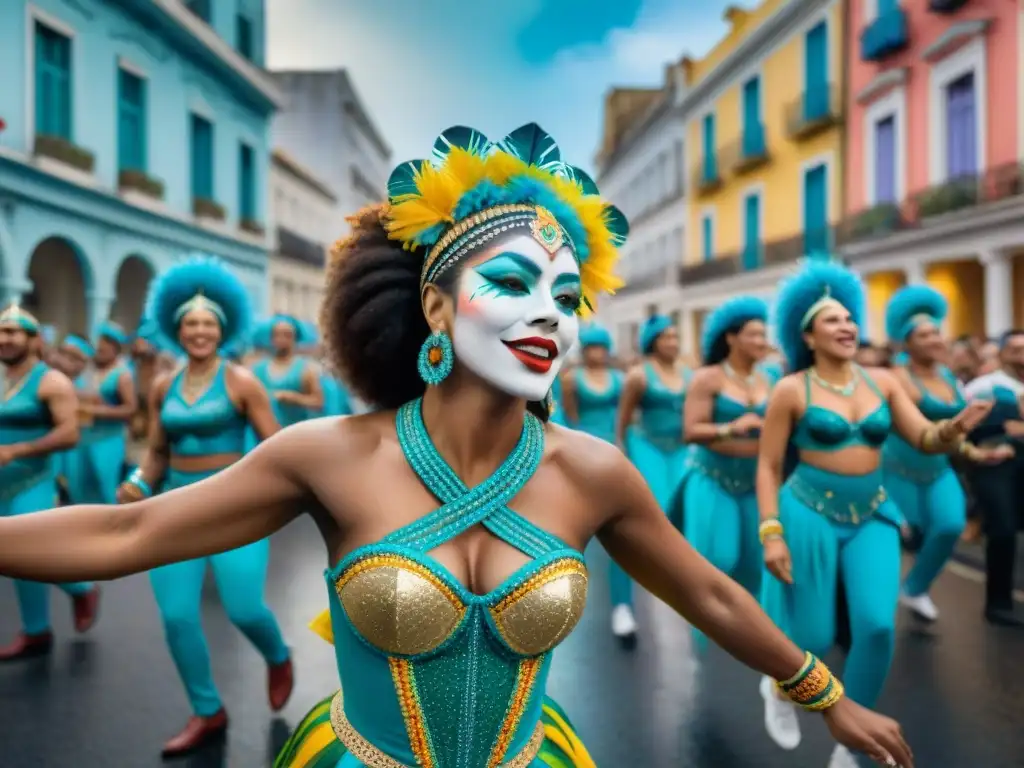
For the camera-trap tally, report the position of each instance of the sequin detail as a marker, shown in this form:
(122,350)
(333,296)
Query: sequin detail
(543,610)
(528,669)
(412,712)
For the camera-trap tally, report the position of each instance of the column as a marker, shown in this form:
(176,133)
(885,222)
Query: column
(913,271)
(686,334)
(998,280)
(98,310)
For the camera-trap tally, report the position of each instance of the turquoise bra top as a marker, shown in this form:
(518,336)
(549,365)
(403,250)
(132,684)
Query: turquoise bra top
(822,429)
(934,408)
(110,395)
(24,417)
(598,409)
(289,381)
(432,673)
(209,426)
(661,408)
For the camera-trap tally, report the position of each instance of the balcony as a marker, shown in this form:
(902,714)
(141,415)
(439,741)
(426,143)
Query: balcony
(767,254)
(946,6)
(707,178)
(748,152)
(885,36)
(814,111)
(297,248)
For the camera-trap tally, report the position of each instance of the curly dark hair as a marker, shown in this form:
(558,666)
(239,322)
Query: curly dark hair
(372,318)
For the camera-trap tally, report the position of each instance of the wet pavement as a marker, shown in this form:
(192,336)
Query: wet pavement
(108,700)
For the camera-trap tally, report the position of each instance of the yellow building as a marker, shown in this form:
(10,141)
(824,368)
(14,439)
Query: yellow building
(764,147)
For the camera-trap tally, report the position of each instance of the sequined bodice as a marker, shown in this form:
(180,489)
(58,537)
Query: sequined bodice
(24,417)
(288,381)
(933,407)
(598,409)
(433,674)
(822,429)
(661,408)
(209,426)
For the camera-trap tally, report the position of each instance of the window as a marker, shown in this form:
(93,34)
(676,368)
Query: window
(707,237)
(677,167)
(246,182)
(243,36)
(131,121)
(961,122)
(885,160)
(753,130)
(710,170)
(200,8)
(202,158)
(752,231)
(816,87)
(53,83)
(816,234)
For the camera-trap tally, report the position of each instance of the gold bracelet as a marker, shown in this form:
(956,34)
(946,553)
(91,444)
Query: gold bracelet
(724,431)
(770,529)
(814,687)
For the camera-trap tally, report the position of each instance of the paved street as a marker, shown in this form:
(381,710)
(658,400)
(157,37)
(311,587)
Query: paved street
(108,701)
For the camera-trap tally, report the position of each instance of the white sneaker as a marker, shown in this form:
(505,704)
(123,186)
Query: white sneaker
(922,605)
(842,758)
(623,622)
(780,718)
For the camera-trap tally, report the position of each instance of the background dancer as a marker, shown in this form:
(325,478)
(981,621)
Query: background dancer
(291,379)
(833,517)
(724,414)
(445,603)
(37,421)
(204,410)
(924,486)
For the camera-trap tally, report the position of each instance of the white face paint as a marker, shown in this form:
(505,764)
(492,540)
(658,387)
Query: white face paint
(515,315)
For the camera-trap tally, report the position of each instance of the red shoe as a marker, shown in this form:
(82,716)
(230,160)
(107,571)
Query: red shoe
(27,646)
(86,608)
(280,683)
(198,732)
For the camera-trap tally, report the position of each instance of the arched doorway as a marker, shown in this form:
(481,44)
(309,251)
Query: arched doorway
(133,280)
(59,287)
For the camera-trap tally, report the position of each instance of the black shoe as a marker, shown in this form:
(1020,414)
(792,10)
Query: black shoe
(1004,617)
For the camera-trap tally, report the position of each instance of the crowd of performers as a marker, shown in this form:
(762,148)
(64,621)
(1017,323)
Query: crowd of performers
(795,483)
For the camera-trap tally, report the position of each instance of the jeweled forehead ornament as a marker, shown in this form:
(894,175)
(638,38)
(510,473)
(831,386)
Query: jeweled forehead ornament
(547,231)
(16,317)
(200,301)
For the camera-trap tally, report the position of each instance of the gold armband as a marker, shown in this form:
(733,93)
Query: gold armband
(932,440)
(769,529)
(724,431)
(814,687)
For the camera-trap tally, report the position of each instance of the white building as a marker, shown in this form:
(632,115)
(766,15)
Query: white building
(324,126)
(641,164)
(305,211)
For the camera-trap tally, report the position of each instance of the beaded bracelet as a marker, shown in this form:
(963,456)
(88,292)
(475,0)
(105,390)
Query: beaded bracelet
(136,479)
(814,687)
(769,529)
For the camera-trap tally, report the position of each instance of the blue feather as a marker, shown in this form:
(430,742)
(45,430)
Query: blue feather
(728,316)
(907,303)
(800,292)
(204,274)
(594,335)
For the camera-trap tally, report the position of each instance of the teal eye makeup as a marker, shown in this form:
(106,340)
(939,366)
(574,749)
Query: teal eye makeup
(507,274)
(568,293)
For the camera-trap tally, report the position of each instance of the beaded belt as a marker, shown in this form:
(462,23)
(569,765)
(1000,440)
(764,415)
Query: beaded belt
(840,508)
(735,474)
(916,475)
(372,757)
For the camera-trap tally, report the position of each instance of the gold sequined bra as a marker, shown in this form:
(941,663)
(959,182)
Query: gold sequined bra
(466,672)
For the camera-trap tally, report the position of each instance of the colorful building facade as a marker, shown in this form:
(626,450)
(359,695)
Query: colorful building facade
(764,149)
(935,142)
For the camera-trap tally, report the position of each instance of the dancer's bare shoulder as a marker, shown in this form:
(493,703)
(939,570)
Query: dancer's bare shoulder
(597,469)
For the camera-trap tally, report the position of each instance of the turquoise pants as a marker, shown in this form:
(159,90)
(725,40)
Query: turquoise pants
(240,575)
(93,468)
(723,527)
(664,467)
(34,596)
(939,510)
(866,555)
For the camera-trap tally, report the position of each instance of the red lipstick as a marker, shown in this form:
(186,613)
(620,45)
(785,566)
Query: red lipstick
(535,353)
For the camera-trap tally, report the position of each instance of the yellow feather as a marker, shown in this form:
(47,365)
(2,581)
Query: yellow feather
(322,626)
(466,169)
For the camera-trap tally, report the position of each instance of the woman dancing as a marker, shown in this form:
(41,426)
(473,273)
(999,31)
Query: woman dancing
(833,518)
(924,486)
(203,411)
(590,399)
(452,310)
(292,380)
(724,413)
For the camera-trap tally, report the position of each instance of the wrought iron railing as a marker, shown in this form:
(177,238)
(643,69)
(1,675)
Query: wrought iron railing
(813,111)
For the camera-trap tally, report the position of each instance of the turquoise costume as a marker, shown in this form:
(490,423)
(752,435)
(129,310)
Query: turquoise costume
(29,485)
(924,486)
(721,519)
(836,526)
(433,674)
(208,426)
(288,381)
(336,398)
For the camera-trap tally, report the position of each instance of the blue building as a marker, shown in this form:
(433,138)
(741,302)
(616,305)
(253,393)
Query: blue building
(132,132)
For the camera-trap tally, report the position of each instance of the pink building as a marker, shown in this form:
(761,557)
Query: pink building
(935,140)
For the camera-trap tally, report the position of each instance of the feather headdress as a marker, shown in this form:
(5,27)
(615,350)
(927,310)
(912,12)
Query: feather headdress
(471,189)
(910,306)
(729,316)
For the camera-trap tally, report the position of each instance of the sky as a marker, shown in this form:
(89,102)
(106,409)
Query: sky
(421,66)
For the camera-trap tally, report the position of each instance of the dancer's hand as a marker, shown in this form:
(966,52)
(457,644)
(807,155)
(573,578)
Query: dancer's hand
(7,455)
(745,424)
(995,455)
(971,416)
(777,560)
(127,493)
(877,736)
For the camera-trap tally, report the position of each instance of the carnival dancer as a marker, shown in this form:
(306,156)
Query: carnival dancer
(37,421)
(203,410)
(95,467)
(590,401)
(999,488)
(924,486)
(292,380)
(72,357)
(833,518)
(145,367)
(724,412)
(452,309)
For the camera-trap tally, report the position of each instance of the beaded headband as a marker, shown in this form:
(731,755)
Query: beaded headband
(825,301)
(18,317)
(199,301)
